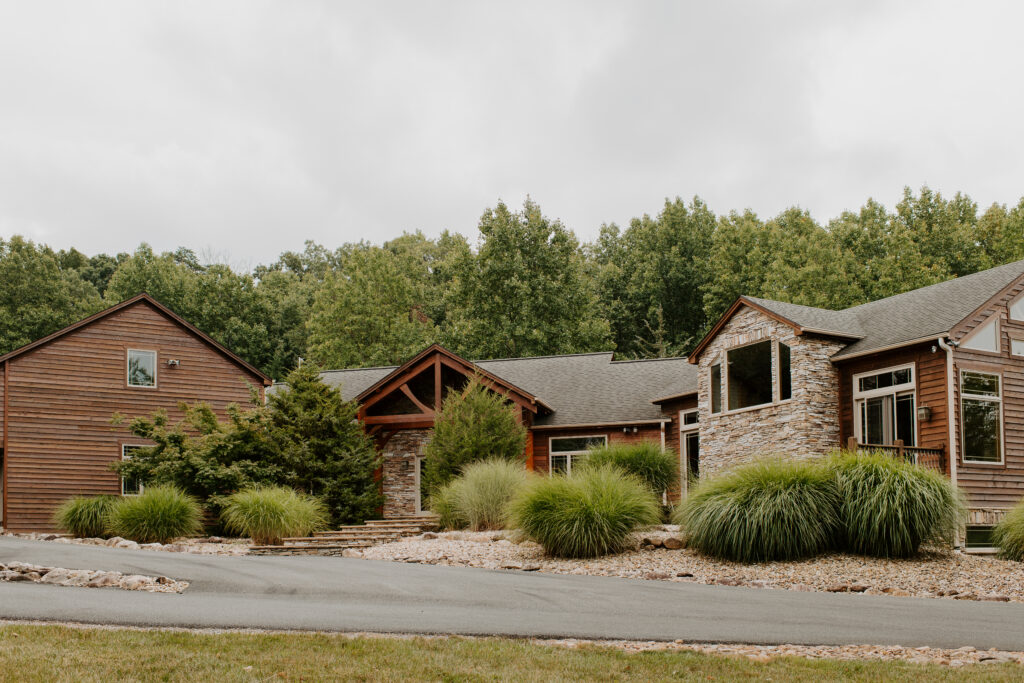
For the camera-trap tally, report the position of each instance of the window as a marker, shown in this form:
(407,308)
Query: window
(689,418)
(141,368)
(130,487)
(689,443)
(1017,309)
(981,416)
(984,338)
(716,388)
(884,406)
(785,376)
(1017,347)
(978,537)
(562,450)
(750,375)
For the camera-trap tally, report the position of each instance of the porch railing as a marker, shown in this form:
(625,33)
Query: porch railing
(932,458)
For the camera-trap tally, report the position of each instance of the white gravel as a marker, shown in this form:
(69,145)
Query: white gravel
(88,578)
(211,545)
(937,573)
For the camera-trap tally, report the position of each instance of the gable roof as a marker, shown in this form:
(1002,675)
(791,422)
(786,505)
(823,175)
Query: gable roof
(914,316)
(160,308)
(578,389)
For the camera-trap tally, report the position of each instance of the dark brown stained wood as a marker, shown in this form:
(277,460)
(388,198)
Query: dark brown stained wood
(930,371)
(999,485)
(61,397)
(541,451)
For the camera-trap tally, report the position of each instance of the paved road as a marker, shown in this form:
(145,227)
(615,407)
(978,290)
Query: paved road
(336,594)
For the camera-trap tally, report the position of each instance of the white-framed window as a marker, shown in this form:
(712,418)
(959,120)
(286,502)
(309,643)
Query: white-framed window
(1017,347)
(1016,309)
(562,450)
(689,446)
(141,367)
(984,337)
(981,416)
(130,487)
(885,406)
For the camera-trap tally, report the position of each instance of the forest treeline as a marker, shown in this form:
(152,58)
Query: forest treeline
(524,285)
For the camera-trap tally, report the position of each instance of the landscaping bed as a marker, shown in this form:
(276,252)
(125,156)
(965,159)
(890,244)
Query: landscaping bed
(88,578)
(936,573)
(205,545)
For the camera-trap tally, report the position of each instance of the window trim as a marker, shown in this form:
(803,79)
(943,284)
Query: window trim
(693,426)
(686,430)
(994,318)
(1014,338)
(895,391)
(125,456)
(569,454)
(1009,307)
(1002,419)
(127,368)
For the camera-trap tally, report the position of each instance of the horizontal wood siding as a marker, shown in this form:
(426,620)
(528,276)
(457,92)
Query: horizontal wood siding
(1002,485)
(930,373)
(541,463)
(62,397)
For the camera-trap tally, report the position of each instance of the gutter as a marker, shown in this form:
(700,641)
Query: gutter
(622,423)
(951,411)
(898,345)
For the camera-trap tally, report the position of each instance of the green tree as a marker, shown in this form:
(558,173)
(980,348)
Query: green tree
(740,257)
(943,230)
(369,313)
(525,292)
(37,295)
(473,425)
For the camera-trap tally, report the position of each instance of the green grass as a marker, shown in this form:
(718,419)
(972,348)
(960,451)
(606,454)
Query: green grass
(770,509)
(84,516)
(645,460)
(1008,535)
(159,514)
(589,514)
(889,507)
(266,514)
(37,654)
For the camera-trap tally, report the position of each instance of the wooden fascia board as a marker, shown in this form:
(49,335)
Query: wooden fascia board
(402,369)
(988,303)
(495,383)
(741,301)
(413,421)
(392,382)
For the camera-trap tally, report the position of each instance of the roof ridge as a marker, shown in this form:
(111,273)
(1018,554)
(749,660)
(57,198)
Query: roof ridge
(788,303)
(369,367)
(649,360)
(554,355)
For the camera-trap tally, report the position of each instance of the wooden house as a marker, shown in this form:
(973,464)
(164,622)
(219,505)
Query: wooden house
(59,394)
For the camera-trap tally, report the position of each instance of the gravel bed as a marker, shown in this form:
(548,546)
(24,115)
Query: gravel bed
(211,545)
(936,573)
(88,578)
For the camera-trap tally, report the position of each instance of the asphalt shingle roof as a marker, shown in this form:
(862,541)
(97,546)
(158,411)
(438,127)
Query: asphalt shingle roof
(929,311)
(584,388)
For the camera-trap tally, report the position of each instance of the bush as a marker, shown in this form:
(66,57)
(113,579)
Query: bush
(84,516)
(1008,535)
(482,494)
(268,514)
(442,504)
(889,507)
(645,460)
(588,514)
(473,425)
(157,515)
(770,509)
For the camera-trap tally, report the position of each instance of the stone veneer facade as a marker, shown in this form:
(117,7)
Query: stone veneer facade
(805,425)
(400,477)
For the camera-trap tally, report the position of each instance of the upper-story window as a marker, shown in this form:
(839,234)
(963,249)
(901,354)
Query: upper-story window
(884,406)
(785,375)
(1017,309)
(985,337)
(716,388)
(748,381)
(141,368)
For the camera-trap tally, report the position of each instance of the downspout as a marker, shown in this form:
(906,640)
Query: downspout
(951,413)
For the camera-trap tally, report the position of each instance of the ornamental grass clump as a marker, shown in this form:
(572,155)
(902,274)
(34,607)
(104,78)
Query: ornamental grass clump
(645,460)
(591,513)
(890,507)
(442,503)
(266,514)
(159,514)
(1008,535)
(84,516)
(766,510)
(485,490)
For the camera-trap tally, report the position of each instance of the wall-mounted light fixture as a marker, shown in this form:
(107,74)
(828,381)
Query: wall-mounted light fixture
(173,362)
(924,413)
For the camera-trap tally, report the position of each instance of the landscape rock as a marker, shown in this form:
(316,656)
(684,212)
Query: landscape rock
(135,582)
(104,580)
(55,576)
(130,545)
(430,536)
(673,543)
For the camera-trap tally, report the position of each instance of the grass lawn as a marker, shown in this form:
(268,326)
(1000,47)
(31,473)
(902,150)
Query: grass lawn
(55,653)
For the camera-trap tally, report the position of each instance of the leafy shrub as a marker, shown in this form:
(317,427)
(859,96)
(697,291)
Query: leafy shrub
(442,504)
(84,516)
(588,514)
(889,507)
(645,460)
(269,513)
(770,509)
(481,495)
(1008,535)
(157,515)
(473,425)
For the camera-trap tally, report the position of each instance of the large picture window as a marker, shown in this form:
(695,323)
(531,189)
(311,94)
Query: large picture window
(141,368)
(563,449)
(885,406)
(750,375)
(981,416)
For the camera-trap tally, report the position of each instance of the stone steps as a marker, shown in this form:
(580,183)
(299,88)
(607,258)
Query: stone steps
(336,541)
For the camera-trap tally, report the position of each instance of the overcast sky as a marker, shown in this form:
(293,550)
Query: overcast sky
(241,129)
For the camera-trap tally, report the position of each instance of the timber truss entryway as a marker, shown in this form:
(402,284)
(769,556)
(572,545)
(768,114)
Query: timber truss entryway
(399,413)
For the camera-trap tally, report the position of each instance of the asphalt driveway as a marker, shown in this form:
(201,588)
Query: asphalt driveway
(340,594)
